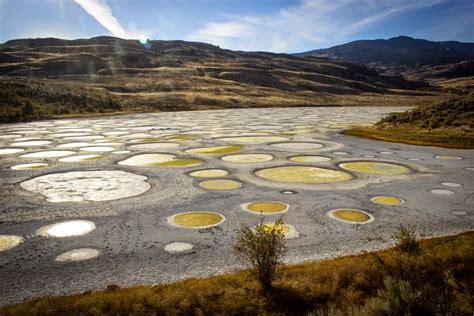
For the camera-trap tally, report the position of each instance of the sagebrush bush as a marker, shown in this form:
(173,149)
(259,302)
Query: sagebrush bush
(405,238)
(262,247)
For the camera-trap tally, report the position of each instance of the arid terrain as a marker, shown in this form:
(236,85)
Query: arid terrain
(41,78)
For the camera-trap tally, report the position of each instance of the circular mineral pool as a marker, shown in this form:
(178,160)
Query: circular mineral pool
(287,230)
(288,192)
(82,158)
(121,152)
(247,158)
(153,146)
(451,184)
(31,143)
(309,159)
(214,150)
(98,149)
(79,186)
(303,174)
(220,185)
(75,145)
(9,241)
(209,173)
(182,137)
(49,154)
(30,166)
(298,146)
(351,216)
(442,192)
(160,160)
(79,254)
(378,168)
(139,141)
(253,139)
(67,229)
(10,151)
(177,247)
(70,134)
(117,133)
(84,138)
(387,200)
(300,131)
(9,136)
(445,157)
(196,219)
(266,207)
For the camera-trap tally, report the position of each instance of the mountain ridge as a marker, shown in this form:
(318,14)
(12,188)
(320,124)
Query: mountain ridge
(396,55)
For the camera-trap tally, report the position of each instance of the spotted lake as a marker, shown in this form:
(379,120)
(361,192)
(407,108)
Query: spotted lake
(149,198)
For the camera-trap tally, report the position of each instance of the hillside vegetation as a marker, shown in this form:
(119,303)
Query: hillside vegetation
(446,124)
(51,77)
(436,279)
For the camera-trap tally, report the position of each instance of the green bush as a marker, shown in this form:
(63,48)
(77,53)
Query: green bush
(406,240)
(262,247)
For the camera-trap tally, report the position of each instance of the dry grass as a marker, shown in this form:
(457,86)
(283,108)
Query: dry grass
(444,137)
(442,276)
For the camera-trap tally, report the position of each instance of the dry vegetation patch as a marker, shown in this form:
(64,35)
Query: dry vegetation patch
(437,280)
(446,124)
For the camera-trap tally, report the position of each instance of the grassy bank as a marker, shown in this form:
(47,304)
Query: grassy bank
(447,124)
(439,280)
(448,138)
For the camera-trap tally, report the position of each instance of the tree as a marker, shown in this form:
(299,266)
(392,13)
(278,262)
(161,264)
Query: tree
(262,247)
(28,110)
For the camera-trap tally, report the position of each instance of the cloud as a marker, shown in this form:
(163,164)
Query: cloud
(101,11)
(392,11)
(313,23)
(226,30)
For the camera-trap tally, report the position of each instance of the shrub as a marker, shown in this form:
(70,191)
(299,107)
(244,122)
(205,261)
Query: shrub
(397,297)
(406,240)
(262,247)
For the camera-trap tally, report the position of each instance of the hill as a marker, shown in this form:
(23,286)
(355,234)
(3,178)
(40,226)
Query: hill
(446,124)
(398,55)
(49,77)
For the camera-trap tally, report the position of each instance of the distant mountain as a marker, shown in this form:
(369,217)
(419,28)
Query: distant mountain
(400,54)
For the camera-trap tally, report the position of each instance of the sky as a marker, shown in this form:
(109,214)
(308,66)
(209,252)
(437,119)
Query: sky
(286,26)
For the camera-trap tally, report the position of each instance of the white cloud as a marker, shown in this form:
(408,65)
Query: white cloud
(391,11)
(313,23)
(226,30)
(101,11)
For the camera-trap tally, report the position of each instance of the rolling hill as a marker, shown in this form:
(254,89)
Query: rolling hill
(50,77)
